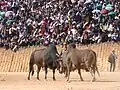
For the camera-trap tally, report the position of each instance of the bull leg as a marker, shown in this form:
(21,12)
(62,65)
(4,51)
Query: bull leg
(93,75)
(45,73)
(54,74)
(91,71)
(30,70)
(29,74)
(79,72)
(38,70)
(68,71)
(66,74)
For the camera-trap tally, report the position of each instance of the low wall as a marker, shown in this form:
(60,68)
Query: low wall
(18,62)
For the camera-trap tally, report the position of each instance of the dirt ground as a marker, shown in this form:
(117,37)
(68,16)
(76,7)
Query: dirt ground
(18,81)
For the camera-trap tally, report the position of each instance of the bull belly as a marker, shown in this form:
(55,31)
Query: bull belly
(50,64)
(80,66)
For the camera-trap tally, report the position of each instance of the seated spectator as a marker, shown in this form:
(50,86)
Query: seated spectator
(35,22)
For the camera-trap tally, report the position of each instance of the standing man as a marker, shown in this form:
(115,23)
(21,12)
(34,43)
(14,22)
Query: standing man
(111,59)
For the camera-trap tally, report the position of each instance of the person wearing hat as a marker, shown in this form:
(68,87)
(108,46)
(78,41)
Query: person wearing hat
(111,59)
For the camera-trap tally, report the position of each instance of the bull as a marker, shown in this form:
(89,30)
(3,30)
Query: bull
(79,59)
(46,58)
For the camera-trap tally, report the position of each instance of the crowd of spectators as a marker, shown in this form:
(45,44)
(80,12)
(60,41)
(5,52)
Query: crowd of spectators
(36,22)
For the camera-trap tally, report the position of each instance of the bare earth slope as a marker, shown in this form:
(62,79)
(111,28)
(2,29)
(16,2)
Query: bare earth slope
(18,81)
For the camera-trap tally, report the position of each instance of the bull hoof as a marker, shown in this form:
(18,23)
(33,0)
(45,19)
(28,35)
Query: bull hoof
(82,80)
(65,76)
(93,80)
(54,79)
(28,78)
(87,70)
(67,80)
(38,78)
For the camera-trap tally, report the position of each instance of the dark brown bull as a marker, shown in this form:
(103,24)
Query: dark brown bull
(46,58)
(37,57)
(79,59)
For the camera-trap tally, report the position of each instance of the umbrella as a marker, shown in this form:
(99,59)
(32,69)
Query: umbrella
(111,13)
(2,13)
(104,11)
(95,11)
(109,8)
(109,5)
(98,6)
(88,1)
(9,13)
(3,3)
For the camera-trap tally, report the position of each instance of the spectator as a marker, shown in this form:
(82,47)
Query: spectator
(26,22)
(111,59)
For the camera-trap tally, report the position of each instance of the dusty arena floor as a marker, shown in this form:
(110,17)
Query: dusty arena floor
(18,81)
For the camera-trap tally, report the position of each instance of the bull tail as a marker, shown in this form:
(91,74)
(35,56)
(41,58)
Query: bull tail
(96,68)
